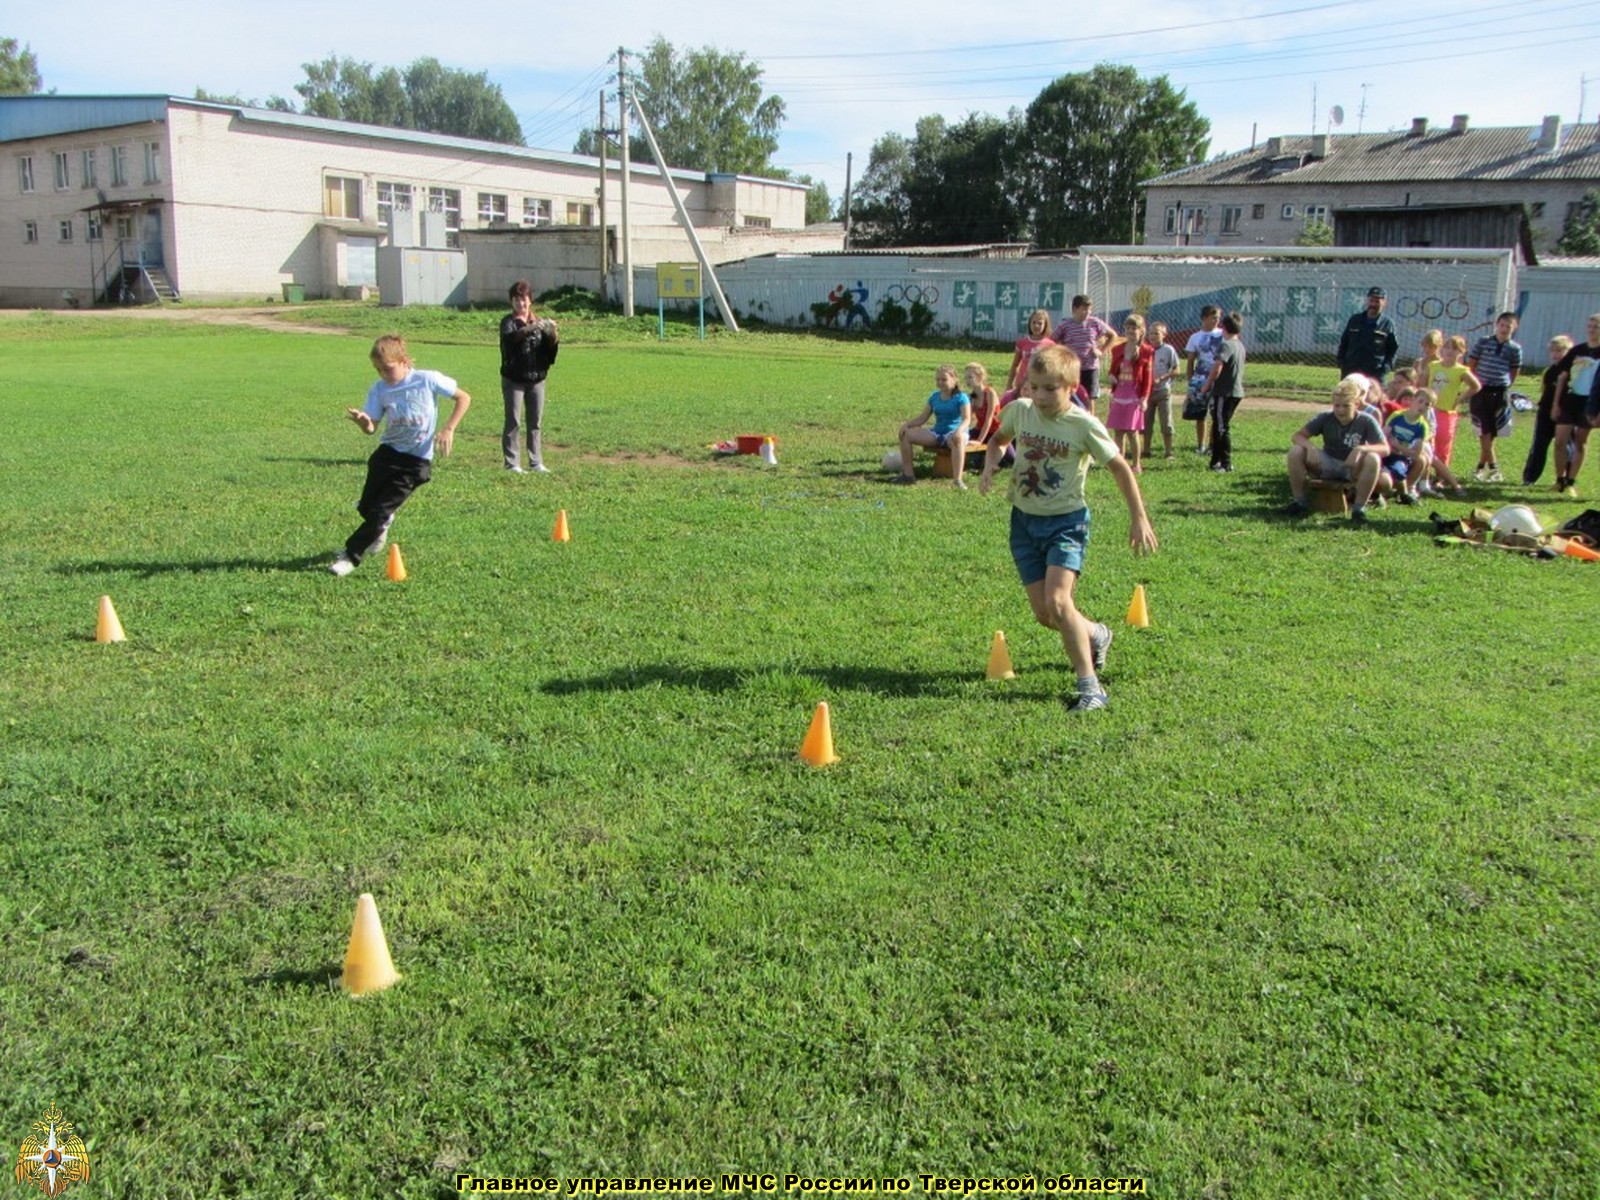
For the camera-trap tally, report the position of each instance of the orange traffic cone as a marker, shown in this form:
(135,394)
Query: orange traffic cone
(562,533)
(1139,611)
(1000,658)
(1573,549)
(817,749)
(397,565)
(108,628)
(367,965)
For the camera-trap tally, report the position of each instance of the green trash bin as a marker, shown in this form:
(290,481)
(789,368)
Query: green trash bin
(294,293)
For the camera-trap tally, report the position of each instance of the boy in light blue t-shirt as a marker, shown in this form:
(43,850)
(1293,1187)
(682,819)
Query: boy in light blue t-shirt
(403,401)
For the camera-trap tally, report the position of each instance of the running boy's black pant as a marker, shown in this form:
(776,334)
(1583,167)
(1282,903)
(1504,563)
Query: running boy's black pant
(391,477)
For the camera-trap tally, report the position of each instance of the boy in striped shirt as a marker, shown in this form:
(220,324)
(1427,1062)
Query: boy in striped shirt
(1495,361)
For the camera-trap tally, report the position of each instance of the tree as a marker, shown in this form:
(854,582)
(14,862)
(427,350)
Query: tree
(1580,236)
(881,206)
(19,69)
(948,184)
(706,109)
(1088,141)
(1315,233)
(426,96)
(819,204)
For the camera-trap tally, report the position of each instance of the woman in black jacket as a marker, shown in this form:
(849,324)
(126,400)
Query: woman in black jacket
(528,346)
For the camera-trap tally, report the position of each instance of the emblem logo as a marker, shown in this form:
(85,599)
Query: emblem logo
(52,1157)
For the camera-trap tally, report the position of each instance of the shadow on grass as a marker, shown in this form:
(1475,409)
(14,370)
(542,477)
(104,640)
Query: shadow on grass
(875,680)
(319,462)
(193,566)
(318,978)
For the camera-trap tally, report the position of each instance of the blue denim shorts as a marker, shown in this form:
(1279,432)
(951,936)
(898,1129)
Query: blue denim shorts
(1060,540)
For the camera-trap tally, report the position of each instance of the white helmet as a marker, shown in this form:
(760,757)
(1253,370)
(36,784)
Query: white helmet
(1516,518)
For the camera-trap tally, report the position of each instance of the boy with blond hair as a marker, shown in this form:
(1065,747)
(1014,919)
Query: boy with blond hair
(1056,442)
(403,402)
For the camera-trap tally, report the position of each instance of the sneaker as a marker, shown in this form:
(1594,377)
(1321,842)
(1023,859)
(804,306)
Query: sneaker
(1481,475)
(516,470)
(1461,490)
(1082,704)
(1169,455)
(539,469)
(1358,516)
(1570,491)
(1296,508)
(1425,488)
(904,479)
(1099,642)
(1202,449)
(961,485)
(1406,498)
(342,565)
(1495,476)
(1221,468)
(1378,501)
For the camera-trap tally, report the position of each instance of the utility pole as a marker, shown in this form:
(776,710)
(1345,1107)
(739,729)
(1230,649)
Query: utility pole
(623,96)
(848,160)
(601,140)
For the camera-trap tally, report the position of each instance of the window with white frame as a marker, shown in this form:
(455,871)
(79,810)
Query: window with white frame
(757,222)
(124,226)
(119,166)
(25,172)
(579,214)
(1287,213)
(64,229)
(392,197)
(1231,215)
(341,197)
(1170,224)
(92,228)
(1316,212)
(63,171)
(89,170)
(1195,220)
(152,162)
(493,208)
(447,201)
(535,211)
(30,232)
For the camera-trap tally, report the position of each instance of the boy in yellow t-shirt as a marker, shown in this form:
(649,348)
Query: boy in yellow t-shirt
(1056,442)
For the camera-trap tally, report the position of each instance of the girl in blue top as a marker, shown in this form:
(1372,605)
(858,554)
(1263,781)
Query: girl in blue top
(951,412)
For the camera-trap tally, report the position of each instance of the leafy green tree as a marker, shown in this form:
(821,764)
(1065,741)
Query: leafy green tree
(426,96)
(881,206)
(1580,236)
(1315,233)
(1089,138)
(19,69)
(707,109)
(948,184)
(819,204)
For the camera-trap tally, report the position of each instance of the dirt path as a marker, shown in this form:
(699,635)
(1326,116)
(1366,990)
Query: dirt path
(272,317)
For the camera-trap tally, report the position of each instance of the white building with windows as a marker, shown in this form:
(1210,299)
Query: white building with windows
(1265,196)
(160,196)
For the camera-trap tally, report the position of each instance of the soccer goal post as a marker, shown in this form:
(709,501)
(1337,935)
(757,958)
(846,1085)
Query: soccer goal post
(1295,300)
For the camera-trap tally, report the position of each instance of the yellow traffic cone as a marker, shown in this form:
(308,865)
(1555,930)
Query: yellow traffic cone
(108,628)
(367,965)
(1139,611)
(397,565)
(1000,658)
(562,533)
(817,749)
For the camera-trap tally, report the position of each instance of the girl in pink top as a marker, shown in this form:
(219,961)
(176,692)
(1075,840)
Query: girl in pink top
(1132,375)
(1037,338)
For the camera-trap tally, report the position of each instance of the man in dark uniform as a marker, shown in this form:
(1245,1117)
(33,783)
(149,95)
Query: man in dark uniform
(1368,345)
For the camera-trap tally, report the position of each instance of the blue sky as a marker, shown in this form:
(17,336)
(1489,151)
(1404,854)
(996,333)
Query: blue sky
(849,73)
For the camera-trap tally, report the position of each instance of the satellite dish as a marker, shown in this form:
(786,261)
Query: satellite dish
(1336,115)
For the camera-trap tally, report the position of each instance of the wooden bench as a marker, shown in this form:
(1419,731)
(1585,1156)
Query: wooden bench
(1326,496)
(941,460)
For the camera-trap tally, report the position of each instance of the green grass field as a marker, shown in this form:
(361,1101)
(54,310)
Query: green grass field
(1309,912)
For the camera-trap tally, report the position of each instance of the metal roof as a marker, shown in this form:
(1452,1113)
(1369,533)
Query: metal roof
(1405,156)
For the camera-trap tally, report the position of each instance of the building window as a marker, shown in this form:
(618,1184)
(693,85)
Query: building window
(63,172)
(535,212)
(152,162)
(1170,225)
(1230,218)
(1195,220)
(25,172)
(579,214)
(90,173)
(92,229)
(1316,212)
(1287,213)
(341,197)
(447,201)
(119,166)
(64,230)
(758,222)
(392,198)
(124,227)
(493,208)
(1536,209)
(1258,212)
(30,232)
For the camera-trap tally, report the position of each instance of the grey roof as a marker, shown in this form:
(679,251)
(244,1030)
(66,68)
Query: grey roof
(1497,153)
